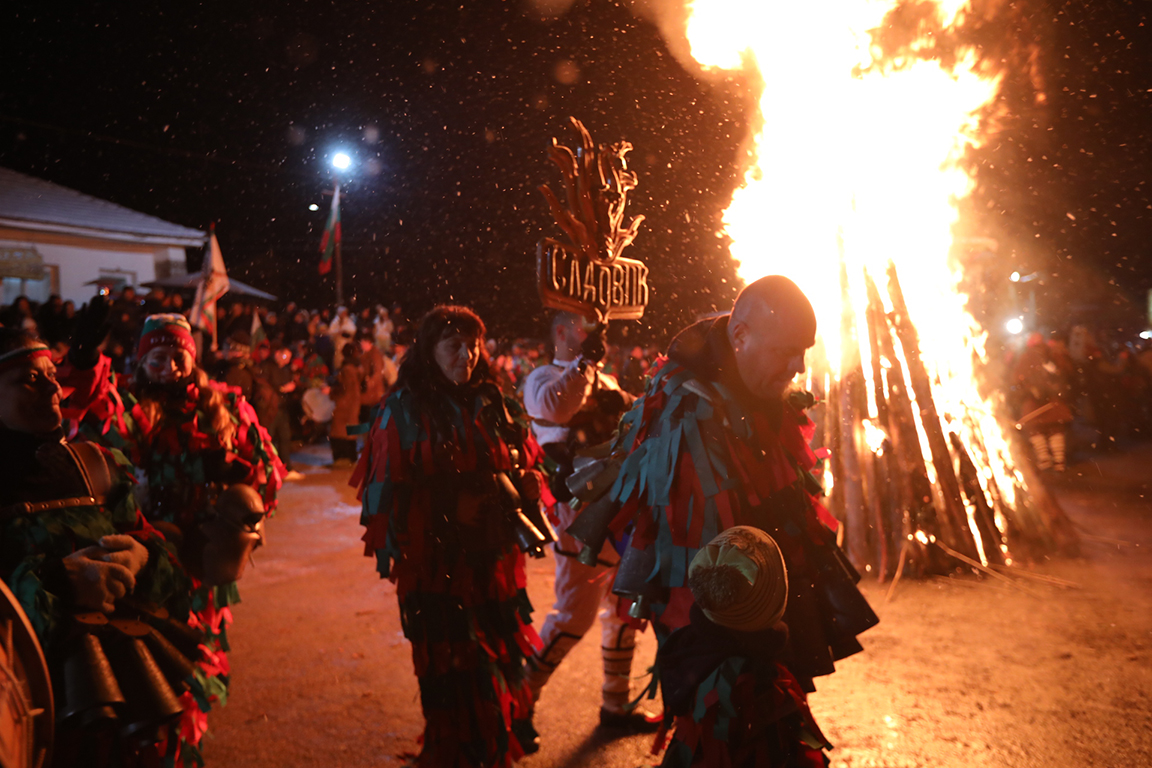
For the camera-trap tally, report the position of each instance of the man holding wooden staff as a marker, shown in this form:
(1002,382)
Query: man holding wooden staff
(573,406)
(717,441)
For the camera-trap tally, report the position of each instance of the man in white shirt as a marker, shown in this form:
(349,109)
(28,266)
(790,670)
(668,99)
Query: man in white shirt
(572,403)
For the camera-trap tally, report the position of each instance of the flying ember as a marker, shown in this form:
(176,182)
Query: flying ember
(855,176)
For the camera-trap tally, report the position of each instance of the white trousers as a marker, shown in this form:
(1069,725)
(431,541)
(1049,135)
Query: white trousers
(581,592)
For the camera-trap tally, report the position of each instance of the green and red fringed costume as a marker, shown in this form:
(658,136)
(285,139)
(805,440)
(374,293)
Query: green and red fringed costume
(459,575)
(183,464)
(33,545)
(734,705)
(702,455)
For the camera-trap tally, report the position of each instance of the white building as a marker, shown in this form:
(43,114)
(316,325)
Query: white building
(56,240)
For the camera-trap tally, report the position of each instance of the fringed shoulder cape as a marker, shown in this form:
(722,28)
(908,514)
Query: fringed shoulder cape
(702,455)
(426,482)
(183,464)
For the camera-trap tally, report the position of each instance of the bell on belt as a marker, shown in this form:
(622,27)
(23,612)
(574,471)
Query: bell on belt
(150,700)
(175,665)
(590,527)
(232,536)
(186,639)
(636,565)
(91,692)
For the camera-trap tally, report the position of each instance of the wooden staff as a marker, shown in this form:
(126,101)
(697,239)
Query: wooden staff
(954,521)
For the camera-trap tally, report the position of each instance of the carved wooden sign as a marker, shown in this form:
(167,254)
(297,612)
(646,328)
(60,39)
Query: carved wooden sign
(618,289)
(586,274)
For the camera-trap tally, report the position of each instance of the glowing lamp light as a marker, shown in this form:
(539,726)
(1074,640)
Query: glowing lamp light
(1014,277)
(1146,334)
(313,207)
(341,161)
(1015,325)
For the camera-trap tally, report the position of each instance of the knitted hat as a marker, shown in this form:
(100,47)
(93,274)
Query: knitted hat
(739,580)
(167,330)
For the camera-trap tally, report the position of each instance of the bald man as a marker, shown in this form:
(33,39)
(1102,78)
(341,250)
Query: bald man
(720,440)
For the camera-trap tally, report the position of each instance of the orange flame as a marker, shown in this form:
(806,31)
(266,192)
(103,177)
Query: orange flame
(858,164)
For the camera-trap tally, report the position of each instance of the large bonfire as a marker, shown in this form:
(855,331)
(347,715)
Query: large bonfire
(853,191)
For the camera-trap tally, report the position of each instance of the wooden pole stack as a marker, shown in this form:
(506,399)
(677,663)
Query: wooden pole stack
(918,505)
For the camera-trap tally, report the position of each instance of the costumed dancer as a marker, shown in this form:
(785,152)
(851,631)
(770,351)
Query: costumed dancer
(445,497)
(735,704)
(573,405)
(102,589)
(715,443)
(1038,385)
(208,471)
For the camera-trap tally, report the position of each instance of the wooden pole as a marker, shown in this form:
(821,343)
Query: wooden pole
(339,260)
(985,520)
(955,519)
(855,508)
(915,493)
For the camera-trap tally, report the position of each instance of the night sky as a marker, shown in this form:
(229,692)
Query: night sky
(229,112)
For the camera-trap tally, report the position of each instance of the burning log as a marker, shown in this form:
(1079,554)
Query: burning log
(850,415)
(914,491)
(984,518)
(954,520)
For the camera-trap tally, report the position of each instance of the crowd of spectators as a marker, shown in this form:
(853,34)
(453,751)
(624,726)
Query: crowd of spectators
(311,374)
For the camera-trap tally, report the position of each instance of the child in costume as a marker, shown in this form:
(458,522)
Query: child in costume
(735,705)
(102,589)
(442,484)
(208,470)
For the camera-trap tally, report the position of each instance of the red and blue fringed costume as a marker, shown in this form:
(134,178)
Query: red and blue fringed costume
(702,455)
(182,463)
(437,530)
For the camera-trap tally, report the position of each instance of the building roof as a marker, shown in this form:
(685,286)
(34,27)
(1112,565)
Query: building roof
(30,203)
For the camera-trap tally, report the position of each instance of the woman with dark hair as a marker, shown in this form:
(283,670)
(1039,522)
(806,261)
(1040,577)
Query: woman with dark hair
(76,552)
(346,393)
(209,471)
(442,482)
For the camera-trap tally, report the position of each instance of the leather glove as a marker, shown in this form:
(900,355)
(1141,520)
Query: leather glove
(93,324)
(594,346)
(126,551)
(97,584)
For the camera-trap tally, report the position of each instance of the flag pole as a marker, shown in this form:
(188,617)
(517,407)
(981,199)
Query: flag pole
(339,263)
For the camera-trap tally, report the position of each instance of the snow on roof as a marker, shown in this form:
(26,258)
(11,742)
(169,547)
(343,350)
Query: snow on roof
(30,203)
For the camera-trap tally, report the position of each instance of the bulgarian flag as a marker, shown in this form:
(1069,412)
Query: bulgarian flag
(331,239)
(258,335)
(213,284)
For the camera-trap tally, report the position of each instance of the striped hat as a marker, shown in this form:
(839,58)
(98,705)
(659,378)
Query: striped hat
(167,330)
(22,355)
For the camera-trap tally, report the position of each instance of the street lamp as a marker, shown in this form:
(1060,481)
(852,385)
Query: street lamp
(341,161)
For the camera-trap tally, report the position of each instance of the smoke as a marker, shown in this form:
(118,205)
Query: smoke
(669,16)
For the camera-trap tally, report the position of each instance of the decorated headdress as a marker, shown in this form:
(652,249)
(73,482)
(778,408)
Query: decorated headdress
(739,580)
(166,330)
